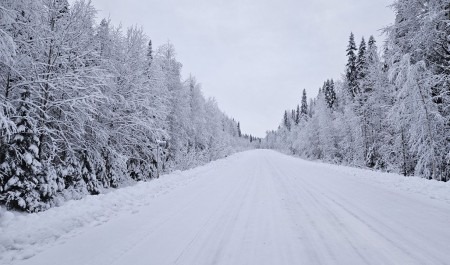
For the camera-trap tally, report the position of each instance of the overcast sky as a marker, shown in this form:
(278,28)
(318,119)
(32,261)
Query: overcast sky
(255,56)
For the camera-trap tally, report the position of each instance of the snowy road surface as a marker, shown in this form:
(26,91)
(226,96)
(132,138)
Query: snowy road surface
(262,207)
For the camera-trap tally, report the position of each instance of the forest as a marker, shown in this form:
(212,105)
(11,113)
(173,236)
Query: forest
(390,110)
(88,106)
(111,152)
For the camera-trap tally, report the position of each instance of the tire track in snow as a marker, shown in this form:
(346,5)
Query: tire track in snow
(262,207)
(221,211)
(332,201)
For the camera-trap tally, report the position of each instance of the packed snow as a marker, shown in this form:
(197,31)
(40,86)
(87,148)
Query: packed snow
(255,207)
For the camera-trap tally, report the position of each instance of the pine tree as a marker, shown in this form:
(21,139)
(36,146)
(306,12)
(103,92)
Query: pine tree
(297,115)
(330,94)
(239,130)
(373,66)
(304,106)
(103,36)
(372,50)
(361,61)
(22,167)
(286,121)
(351,72)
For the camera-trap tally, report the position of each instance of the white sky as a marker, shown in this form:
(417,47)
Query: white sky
(255,56)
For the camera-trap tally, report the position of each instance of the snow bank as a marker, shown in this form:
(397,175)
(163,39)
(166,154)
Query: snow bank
(24,235)
(433,189)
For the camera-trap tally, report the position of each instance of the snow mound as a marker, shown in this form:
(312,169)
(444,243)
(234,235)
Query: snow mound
(24,235)
(432,189)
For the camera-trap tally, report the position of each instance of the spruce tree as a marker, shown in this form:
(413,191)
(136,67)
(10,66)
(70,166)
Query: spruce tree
(351,72)
(297,115)
(88,174)
(361,62)
(22,168)
(372,50)
(330,94)
(239,130)
(104,38)
(372,62)
(286,121)
(304,107)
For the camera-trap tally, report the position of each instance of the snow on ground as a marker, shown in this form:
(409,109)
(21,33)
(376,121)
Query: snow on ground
(24,235)
(257,207)
(432,189)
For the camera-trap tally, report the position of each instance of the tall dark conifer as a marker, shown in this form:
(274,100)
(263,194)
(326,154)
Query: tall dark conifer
(239,129)
(286,121)
(150,52)
(21,167)
(372,50)
(103,38)
(351,72)
(304,107)
(330,93)
(361,62)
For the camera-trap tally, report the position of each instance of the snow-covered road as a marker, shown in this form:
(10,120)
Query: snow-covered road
(263,207)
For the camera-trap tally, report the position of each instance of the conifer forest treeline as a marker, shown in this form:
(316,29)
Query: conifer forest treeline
(391,109)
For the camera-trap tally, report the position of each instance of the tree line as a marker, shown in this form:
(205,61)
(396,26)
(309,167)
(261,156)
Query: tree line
(86,106)
(391,109)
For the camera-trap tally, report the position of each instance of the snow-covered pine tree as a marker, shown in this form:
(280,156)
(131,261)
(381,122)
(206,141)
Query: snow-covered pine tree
(8,18)
(304,106)
(329,93)
(351,70)
(361,62)
(361,107)
(416,44)
(150,53)
(286,121)
(297,115)
(373,105)
(24,183)
(372,50)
